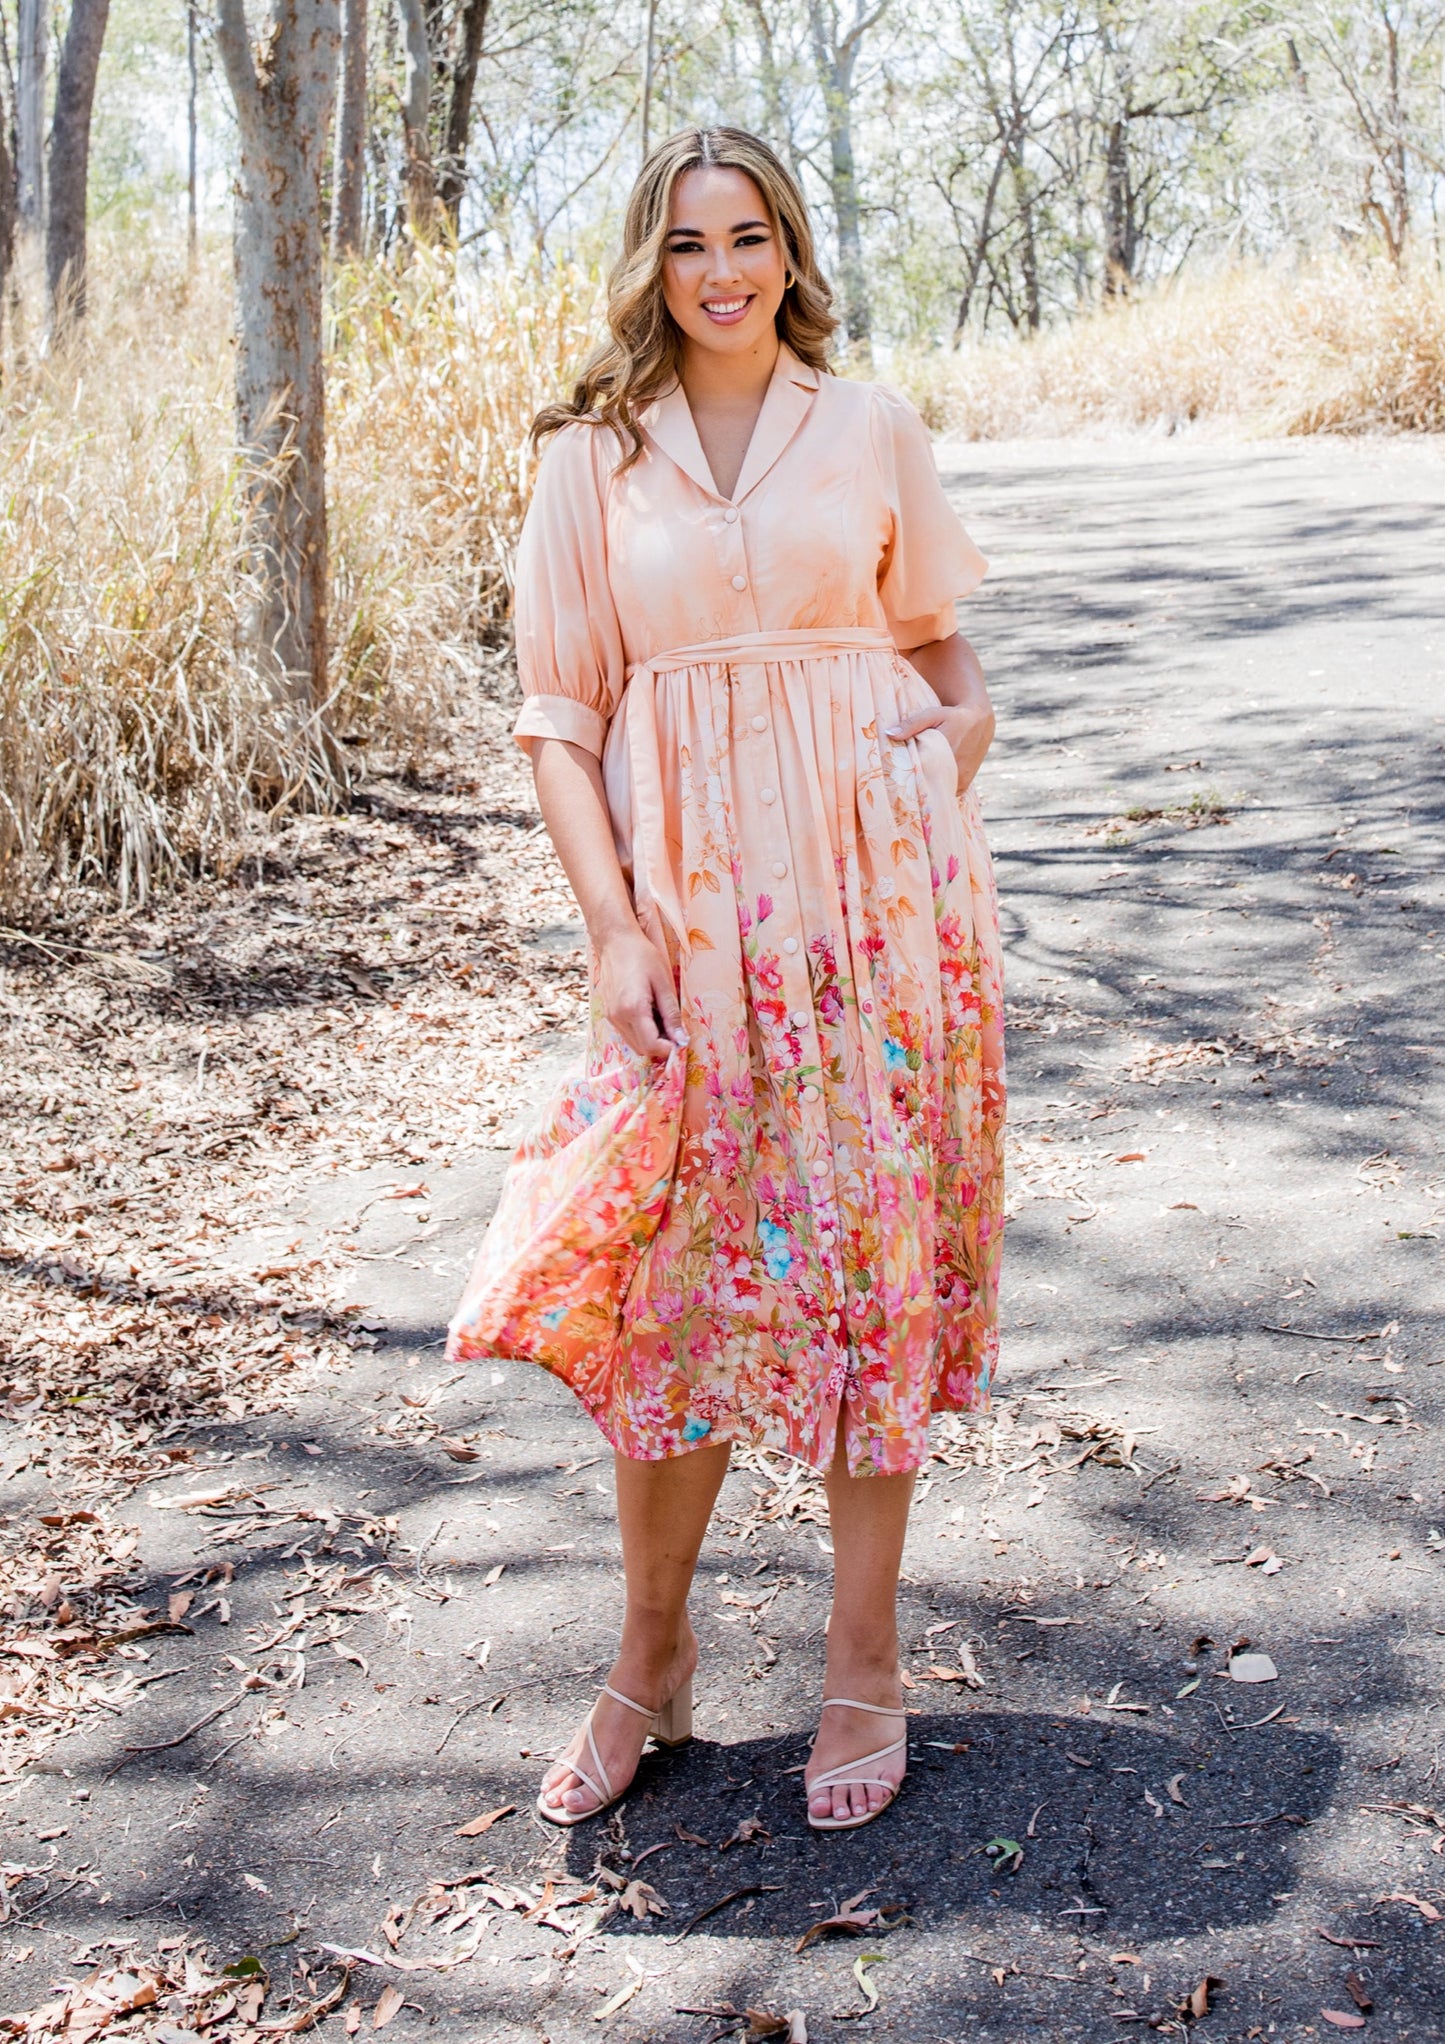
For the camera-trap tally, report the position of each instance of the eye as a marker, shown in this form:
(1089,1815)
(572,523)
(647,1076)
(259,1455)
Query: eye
(752,240)
(684,248)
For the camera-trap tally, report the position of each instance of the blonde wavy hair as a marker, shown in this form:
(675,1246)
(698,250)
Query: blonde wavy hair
(641,355)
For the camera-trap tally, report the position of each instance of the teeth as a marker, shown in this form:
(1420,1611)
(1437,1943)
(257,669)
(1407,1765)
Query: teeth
(724,304)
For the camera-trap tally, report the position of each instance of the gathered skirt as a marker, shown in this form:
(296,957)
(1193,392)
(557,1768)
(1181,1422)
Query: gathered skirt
(800,1221)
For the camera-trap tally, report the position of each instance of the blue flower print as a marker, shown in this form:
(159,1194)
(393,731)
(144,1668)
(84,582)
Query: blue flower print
(696,1428)
(554,1316)
(895,1057)
(777,1256)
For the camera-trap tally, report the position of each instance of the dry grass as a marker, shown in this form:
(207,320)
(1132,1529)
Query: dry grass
(1334,349)
(134,743)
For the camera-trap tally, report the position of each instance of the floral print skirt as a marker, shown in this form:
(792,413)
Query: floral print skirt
(801,1221)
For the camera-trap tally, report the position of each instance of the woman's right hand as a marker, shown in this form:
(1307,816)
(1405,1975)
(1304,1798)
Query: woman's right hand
(638,997)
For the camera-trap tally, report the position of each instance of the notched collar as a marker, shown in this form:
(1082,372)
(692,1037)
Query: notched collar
(669,424)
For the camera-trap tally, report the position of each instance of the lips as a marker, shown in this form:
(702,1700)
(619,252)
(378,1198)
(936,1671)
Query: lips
(727,311)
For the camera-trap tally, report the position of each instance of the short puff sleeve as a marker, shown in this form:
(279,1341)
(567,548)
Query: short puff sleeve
(569,642)
(929,560)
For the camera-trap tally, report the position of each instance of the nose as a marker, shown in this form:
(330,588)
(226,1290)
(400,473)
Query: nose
(721,266)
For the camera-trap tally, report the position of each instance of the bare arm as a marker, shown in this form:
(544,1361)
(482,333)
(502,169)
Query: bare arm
(635,977)
(964,714)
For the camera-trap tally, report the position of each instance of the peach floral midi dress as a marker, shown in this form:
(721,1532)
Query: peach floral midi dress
(801,1215)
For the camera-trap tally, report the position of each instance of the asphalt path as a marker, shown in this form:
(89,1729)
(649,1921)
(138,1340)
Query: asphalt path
(1216,806)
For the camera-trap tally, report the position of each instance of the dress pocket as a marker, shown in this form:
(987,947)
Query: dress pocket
(937,766)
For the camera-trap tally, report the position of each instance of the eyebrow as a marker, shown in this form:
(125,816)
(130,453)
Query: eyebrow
(741,228)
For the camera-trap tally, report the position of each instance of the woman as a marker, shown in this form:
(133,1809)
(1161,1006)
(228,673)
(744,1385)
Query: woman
(754,727)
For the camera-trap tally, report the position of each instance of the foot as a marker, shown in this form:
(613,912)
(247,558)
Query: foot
(649,1678)
(845,1736)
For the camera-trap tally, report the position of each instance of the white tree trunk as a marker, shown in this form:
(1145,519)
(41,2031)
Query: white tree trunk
(34,22)
(283,91)
(415,110)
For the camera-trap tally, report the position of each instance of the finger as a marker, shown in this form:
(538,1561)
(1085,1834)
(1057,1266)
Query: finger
(634,1024)
(665,999)
(650,1038)
(916,721)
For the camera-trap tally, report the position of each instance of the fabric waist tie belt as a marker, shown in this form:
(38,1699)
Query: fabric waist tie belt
(652,881)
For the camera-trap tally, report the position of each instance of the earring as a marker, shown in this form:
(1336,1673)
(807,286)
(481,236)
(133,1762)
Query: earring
(789,280)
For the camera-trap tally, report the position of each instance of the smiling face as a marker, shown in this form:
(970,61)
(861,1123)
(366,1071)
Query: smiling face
(725,268)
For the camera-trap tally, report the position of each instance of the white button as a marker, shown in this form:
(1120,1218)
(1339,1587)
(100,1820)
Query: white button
(767,794)
(760,723)
(885,890)
(827,1238)
(820,1165)
(800,1018)
(790,945)
(740,581)
(731,515)
(780,870)
(810,1092)
(833,1320)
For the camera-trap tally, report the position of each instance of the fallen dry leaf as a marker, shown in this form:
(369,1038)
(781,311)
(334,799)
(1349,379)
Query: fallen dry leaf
(850,1921)
(1198,2003)
(390,2003)
(1343,2019)
(643,1901)
(1358,1992)
(864,1979)
(748,1829)
(1427,1909)
(479,1825)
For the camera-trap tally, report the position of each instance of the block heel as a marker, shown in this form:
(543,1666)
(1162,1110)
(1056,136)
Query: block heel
(673,1725)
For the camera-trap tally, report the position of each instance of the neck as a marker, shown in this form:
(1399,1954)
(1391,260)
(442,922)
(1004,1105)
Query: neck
(707,373)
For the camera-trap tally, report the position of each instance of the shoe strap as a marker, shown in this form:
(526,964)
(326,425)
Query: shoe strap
(835,1777)
(618,1697)
(604,1794)
(881,1710)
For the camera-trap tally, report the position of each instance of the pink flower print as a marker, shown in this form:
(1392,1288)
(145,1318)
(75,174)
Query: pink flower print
(765,907)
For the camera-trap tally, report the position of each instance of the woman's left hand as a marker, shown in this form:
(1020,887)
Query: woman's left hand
(968,727)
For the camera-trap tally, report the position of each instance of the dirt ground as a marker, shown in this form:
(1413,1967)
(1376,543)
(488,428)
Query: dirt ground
(290,1606)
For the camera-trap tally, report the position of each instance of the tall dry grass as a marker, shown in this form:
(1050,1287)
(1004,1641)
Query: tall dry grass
(135,742)
(1338,348)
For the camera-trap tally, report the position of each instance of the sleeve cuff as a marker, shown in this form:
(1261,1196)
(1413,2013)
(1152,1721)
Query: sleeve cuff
(911,632)
(560,717)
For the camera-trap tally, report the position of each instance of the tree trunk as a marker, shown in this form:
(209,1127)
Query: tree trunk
(835,57)
(1119,236)
(348,177)
(34,20)
(648,60)
(453,182)
(283,93)
(8,214)
(777,120)
(69,164)
(415,110)
(193,90)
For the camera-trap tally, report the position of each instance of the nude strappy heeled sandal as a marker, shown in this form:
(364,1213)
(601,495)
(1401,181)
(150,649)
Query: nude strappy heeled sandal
(847,1776)
(670,1726)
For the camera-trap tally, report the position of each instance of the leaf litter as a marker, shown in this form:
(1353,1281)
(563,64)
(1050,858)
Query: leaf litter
(175,1076)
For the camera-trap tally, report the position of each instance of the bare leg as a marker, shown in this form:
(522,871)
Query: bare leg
(869,1517)
(662,1511)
